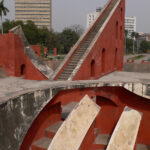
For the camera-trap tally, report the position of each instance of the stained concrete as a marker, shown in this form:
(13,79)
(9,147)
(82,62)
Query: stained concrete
(36,61)
(22,100)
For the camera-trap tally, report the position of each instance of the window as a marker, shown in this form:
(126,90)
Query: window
(22,71)
(121,14)
(120,32)
(103,60)
(117,30)
(93,68)
(115,58)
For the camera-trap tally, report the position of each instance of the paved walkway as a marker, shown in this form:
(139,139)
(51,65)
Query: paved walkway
(11,85)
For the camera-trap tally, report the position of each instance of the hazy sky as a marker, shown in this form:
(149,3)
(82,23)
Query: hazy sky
(70,12)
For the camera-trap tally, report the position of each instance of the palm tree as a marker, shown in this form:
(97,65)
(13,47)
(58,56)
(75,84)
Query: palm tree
(3,10)
(133,38)
(136,37)
(126,35)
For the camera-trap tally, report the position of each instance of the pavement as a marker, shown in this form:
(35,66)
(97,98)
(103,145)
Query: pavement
(11,86)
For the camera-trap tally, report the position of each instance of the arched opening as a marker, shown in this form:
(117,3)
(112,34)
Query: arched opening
(120,32)
(117,30)
(93,68)
(121,14)
(103,60)
(115,58)
(22,70)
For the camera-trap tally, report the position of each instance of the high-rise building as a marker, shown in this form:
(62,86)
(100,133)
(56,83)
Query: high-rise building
(39,11)
(91,17)
(130,24)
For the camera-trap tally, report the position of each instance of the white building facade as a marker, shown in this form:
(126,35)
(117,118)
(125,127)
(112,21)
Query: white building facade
(130,24)
(39,11)
(91,17)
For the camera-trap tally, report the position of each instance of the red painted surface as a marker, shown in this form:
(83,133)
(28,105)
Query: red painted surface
(110,40)
(112,101)
(48,116)
(108,51)
(14,60)
(45,51)
(37,49)
(55,51)
(89,139)
(130,61)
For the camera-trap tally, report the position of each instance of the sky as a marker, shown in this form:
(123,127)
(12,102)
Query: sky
(70,12)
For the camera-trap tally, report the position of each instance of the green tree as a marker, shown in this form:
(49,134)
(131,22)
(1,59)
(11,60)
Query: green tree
(3,11)
(125,43)
(31,32)
(68,38)
(52,41)
(129,45)
(144,46)
(133,39)
(10,24)
(42,36)
(77,28)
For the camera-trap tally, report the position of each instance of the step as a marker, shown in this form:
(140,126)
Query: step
(62,79)
(75,58)
(41,144)
(79,54)
(71,65)
(64,76)
(81,50)
(74,63)
(142,147)
(67,71)
(96,131)
(84,45)
(66,109)
(51,130)
(74,129)
(102,139)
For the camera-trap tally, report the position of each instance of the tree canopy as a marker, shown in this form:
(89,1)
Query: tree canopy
(63,41)
(3,11)
(145,46)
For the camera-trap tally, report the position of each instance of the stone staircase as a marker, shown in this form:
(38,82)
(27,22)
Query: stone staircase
(82,50)
(44,142)
(100,141)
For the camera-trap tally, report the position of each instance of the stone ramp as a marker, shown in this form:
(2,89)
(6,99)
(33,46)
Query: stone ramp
(72,132)
(36,61)
(126,130)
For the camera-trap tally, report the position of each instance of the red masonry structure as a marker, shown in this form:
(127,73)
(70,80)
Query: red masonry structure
(101,49)
(14,60)
(37,49)
(55,51)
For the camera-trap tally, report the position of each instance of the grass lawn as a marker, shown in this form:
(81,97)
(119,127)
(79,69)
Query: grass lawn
(137,57)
